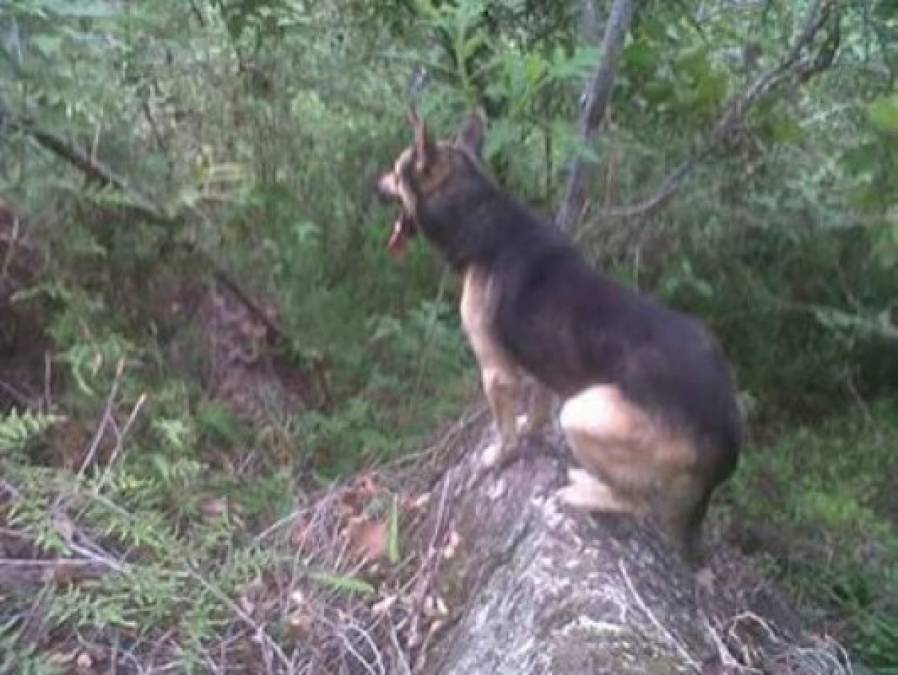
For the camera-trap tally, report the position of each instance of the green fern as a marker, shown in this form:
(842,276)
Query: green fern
(18,429)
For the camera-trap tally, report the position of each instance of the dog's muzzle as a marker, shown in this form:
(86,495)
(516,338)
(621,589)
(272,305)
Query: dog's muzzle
(387,188)
(404,227)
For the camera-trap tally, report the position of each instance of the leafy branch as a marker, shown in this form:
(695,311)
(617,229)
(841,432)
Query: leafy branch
(799,64)
(96,170)
(93,169)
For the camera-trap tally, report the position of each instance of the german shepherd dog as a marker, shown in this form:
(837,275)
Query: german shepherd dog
(647,404)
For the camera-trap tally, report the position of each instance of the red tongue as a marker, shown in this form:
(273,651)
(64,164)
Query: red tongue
(398,238)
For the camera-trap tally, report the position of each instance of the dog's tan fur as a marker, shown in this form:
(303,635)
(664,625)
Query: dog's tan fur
(499,374)
(504,381)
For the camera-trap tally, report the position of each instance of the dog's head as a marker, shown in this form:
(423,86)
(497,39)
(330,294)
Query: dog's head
(424,169)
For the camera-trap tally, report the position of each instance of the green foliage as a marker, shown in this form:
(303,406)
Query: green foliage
(798,344)
(818,499)
(393,533)
(25,660)
(259,123)
(18,429)
(343,584)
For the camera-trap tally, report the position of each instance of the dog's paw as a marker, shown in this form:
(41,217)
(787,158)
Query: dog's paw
(493,455)
(586,493)
(528,426)
(577,498)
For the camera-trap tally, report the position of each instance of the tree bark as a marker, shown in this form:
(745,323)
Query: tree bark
(594,102)
(532,587)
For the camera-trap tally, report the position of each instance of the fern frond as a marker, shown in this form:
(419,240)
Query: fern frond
(19,429)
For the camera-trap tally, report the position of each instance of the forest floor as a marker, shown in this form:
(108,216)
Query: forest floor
(174,562)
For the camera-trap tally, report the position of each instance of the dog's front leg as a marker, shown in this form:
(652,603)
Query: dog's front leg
(539,410)
(502,389)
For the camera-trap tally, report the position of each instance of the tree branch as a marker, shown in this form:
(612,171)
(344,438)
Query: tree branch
(15,573)
(590,17)
(93,168)
(792,66)
(594,101)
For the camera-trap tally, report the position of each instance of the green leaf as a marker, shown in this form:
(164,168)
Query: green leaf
(641,57)
(83,9)
(393,538)
(17,430)
(883,114)
(48,45)
(885,239)
(343,584)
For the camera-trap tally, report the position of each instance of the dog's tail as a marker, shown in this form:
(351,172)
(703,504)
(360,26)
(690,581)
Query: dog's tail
(692,532)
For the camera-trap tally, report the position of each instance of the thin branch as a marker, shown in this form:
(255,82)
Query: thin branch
(7,214)
(15,572)
(669,186)
(792,65)
(594,100)
(197,12)
(226,280)
(97,170)
(94,169)
(261,635)
(590,17)
(105,418)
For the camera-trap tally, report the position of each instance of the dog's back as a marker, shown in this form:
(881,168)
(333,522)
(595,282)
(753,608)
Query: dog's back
(572,327)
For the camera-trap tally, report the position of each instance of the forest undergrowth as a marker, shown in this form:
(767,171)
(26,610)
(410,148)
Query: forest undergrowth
(210,365)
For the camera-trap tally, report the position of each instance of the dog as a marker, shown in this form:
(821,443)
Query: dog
(647,402)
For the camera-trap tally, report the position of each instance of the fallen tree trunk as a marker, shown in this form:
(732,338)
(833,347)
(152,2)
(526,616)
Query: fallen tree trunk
(533,588)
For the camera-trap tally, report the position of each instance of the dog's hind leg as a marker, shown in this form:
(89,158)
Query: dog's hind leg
(632,463)
(681,508)
(610,439)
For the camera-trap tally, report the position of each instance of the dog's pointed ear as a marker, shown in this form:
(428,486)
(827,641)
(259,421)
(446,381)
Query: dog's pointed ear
(472,132)
(424,148)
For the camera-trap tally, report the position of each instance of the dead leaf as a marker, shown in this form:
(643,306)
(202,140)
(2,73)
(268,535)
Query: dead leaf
(452,545)
(247,605)
(381,607)
(84,664)
(299,533)
(214,507)
(368,486)
(421,501)
(354,499)
(64,526)
(369,539)
(435,627)
(350,503)
(250,595)
(300,625)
